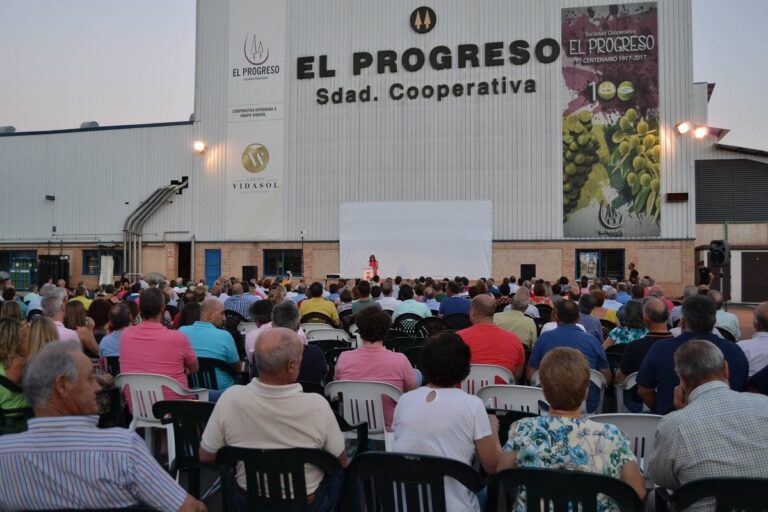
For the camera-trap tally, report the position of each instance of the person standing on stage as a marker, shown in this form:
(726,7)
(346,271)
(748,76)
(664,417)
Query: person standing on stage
(374,265)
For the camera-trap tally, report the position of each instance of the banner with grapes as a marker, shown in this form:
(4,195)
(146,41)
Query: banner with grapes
(611,144)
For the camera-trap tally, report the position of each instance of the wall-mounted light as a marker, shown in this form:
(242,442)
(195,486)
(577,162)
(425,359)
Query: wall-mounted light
(683,127)
(700,132)
(199,146)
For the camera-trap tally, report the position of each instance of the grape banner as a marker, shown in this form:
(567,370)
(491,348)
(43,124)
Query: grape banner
(610,139)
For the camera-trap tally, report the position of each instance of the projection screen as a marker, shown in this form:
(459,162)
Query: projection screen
(412,239)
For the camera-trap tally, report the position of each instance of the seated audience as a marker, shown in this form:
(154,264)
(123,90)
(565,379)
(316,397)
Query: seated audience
(150,347)
(345,301)
(42,330)
(632,326)
(12,360)
(587,303)
(99,313)
(564,439)
(515,320)
(261,312)
(387,301)
(237,302)
(657,378)
(53,308)
(209,340)
(76,319)
(610,299)
(490,344)
(622,294)
(81,295)
(272,412)
(600,311)
(567,334)
(540,295)
(441,420)
(64,462)
(189,314)
(374,362)
(120,317)
(454,302)
(715,432)
(409,305)
(655,316)
(756,349)
(724,320)
(365,300)
(429,299)
(674,315)
(317,304)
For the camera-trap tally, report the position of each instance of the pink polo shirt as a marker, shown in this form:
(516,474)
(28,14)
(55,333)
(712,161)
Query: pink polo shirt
(152,348)
(66,334)
(378,364)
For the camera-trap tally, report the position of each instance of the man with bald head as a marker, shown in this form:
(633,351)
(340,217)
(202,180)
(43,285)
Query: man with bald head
(756,349)
(209,340)
(489,343)
(655,316)
(238,303)
(272,412)
(724,319)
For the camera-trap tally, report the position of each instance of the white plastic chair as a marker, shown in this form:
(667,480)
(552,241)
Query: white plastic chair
(246,327)
(481,375)
(309,327)
(327,333)
(640,429)
(145,390)
(595,377)
(630,381)
(361,400)
(513,398)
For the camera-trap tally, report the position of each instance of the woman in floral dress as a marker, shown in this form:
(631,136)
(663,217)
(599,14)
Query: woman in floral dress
(565,440)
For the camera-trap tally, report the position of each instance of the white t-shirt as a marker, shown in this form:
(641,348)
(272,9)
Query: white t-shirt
(446,427)
(389,303)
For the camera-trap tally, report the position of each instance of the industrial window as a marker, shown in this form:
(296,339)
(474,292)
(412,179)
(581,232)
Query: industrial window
(731,191)
(600,263)
(277,262)
(92,261)
(21,267)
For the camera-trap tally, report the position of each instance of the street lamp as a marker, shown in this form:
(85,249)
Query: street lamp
(301,235)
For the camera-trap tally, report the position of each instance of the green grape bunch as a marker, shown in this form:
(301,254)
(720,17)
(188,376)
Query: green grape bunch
(637,156)
(581,150)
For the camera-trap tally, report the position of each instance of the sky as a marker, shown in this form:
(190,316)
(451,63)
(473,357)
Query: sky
(64,62)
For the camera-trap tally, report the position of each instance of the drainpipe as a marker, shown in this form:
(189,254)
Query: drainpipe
(192,259)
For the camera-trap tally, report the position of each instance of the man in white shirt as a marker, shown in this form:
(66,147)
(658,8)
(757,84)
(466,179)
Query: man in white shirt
(53,307)
(727,321)
(387,301)
(610,299)
(756,349)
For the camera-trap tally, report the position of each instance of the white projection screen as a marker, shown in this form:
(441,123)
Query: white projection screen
(412,239)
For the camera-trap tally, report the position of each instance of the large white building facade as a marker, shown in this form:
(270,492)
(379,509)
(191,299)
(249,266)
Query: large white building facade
(561,115)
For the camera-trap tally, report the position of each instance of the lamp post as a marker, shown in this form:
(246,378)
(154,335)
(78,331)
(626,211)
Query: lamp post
(301,235)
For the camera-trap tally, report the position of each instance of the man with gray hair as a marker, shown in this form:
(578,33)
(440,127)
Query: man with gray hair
(63,461)
(272,412)
(515,320)
(756,349)
(674,315)
(724,320)
(610,299)
(53,306)
(716,432)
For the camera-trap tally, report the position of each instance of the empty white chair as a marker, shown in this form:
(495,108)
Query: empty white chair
(630,381)
(513,398)
(327,333)
(481,375)
(145,390)
(361,400)
(640,429)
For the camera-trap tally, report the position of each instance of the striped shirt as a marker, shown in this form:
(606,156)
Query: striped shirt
(66,462)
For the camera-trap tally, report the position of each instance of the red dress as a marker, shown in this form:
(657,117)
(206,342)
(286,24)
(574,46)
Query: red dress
(374,266)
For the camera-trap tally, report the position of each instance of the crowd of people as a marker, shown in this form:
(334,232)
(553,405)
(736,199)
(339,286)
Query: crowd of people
(690,363)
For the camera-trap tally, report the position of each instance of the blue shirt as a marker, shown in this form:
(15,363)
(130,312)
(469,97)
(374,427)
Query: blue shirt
(570,336)
(65,462)
(623,297)
(592,325)
(658,368)
(109,345)
(451,305)
(208,341)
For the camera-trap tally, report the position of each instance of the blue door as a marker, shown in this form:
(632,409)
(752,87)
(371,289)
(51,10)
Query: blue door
(212,265)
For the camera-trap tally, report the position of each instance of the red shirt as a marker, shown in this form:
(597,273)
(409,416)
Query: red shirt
(491,344)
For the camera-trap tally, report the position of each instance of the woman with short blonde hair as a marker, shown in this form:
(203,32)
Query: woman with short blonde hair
(42,331)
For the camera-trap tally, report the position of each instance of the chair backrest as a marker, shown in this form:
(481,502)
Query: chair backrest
(275,478)
(361,400)
(147,388)
(561,490)
(347,319)
(406,324)
(640,429)
(403,343)
(13,420)
(189,418)
(607,326)
(759,381)
(725,333)
(414,355)
(427,326)
(742,494)
(401,481)
(205,376)
(513,398)
(481,375)
(332,357)
(326,344)
(312,387)
(316,317)
(231,323)
(545,312)
(629,382)
(326,332)
(458,321)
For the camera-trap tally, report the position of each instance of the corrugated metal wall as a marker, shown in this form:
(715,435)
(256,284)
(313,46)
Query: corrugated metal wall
(501,148)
